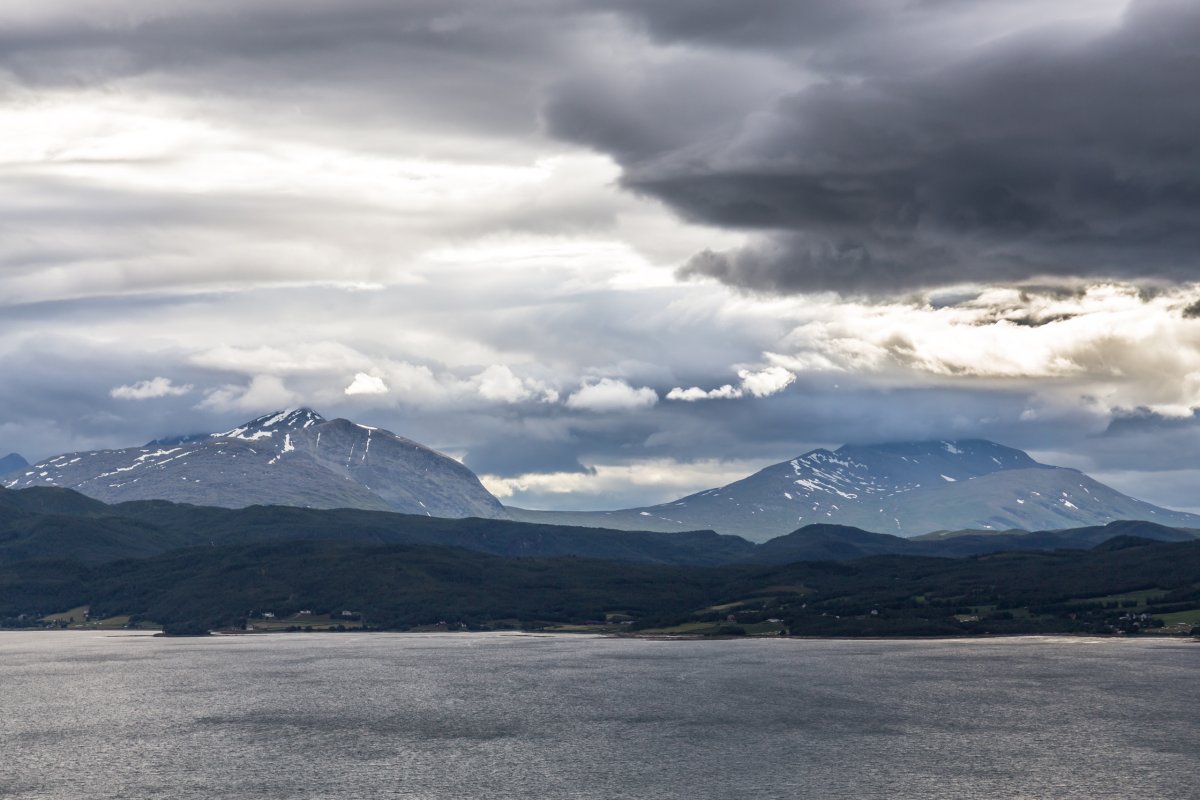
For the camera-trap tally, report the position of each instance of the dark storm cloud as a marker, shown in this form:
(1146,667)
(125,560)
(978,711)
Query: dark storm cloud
(454,64)
(1139,421)
(783,24)
(1054,152)
(1142,440)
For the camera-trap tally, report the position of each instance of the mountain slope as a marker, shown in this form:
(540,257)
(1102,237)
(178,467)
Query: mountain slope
(294,457)
(904,488)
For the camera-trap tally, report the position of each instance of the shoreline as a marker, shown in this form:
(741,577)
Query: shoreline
(153,634)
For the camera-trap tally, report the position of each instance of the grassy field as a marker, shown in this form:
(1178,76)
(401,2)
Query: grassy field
(1189,618)
(711,628)
(583,628)
(318,622)
(77,614)
(1139,596)
(77,619)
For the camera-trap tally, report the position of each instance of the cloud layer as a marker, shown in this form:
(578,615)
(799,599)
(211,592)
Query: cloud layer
(607,252)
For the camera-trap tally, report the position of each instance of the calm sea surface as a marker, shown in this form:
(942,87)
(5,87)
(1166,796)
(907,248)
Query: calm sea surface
(86,716)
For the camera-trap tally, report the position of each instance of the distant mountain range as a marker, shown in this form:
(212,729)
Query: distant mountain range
(299,458)
(67,558)
(56,523)
(294,457)
(908,489)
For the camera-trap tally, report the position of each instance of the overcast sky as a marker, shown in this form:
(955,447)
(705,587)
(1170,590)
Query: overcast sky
(608,252)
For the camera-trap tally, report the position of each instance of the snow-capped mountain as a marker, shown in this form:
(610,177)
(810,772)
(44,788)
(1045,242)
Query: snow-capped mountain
(906,489)
(294,457)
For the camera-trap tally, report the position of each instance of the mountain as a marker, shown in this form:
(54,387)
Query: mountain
(11,463)
(299,458)
(50,522)
(294,457)
(907,488)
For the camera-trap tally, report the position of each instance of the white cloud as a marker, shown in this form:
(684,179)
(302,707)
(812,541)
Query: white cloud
(1100,348)
(263,393)
(763,383)
(694,393)
(147,390)
(611,394)
(499,384)
(655,480)
(366,384)
(419,385)
(413,384)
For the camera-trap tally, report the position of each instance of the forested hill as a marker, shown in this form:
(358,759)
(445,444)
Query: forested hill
(1126,585)
(171,563)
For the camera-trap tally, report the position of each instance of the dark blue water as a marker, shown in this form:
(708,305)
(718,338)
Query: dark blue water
(86,715)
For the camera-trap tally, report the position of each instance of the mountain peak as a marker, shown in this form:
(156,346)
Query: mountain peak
(1007,457)
(302,417)
(952,459)
(288,419)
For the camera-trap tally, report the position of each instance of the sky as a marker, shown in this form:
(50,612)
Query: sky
(608,253)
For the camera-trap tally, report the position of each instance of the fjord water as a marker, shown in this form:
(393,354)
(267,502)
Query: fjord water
(90,715)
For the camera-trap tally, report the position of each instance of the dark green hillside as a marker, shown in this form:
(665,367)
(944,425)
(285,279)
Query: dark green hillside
(393,586)
(92,532)
(1014,592)
(499,537)
(89,540)
(965,543)
(35,588)
(404,586)
(841,543)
